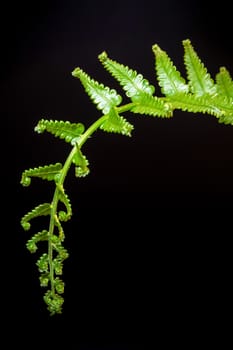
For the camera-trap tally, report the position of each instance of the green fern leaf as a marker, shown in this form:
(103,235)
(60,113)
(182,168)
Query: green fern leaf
(200,80)
(54,302)
(43,263)
(117,124)
(228,120)
(59,285)
(62,252)
(58,266)
(169,78)
(44,279)
(32,242)
(213,105)
(226,103)
(40,210)
(81,163)
(224,83)
(67,131)
(104,97)
(152,105)
(47,172)
(133,83)
(63,197)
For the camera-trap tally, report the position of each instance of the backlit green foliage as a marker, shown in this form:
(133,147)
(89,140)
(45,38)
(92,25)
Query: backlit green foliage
(198,92)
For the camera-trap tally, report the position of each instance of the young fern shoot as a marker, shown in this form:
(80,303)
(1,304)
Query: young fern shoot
(198,93)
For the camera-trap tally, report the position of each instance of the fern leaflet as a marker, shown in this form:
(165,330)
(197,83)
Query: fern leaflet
(81,163)
(116,123)
(40,210)
(47,172)
(169,78)
(224,83)
(67,131)
(152,105)
(133,83)
(200,81)
(32,242)
(64,216)
(103,96)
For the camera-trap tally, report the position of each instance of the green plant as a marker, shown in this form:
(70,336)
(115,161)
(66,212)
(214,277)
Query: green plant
(199,93)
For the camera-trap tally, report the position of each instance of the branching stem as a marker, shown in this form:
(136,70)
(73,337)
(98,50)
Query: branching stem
(63,173)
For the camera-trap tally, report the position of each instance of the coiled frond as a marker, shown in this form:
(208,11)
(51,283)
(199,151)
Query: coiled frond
(63,198)
(54,302)
(67,131)
(40,210)
(32,242)
(47,172)
(81,163)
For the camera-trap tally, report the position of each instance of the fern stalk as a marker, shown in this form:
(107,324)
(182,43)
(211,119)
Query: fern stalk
(55,201)
(53,215)
(59,185)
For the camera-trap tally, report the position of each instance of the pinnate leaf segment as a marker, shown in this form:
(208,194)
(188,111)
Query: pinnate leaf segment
(197,93)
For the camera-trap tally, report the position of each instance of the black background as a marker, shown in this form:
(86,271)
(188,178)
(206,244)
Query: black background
(149,240)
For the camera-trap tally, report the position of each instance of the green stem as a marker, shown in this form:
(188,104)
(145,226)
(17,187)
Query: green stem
(125,108)
(84,137)
(59,184)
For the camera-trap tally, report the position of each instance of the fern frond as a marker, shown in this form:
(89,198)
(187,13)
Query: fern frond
(104,97)
(217,106)
(63,197)
(81,163)
(43,263)
(169,78)
(47,172)
(133,83)
(228,120)
(44,279)
(58,266)
(224,83)
(62,254)
(195,104)
(226,103)
(64,130)
(57,223)
(59,285)
(116,123)
(200,94)
(152,105)
(54,302)
(32,242)
(200,81)
(40,210)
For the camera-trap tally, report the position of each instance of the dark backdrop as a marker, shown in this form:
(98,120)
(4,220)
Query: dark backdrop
(149,240)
